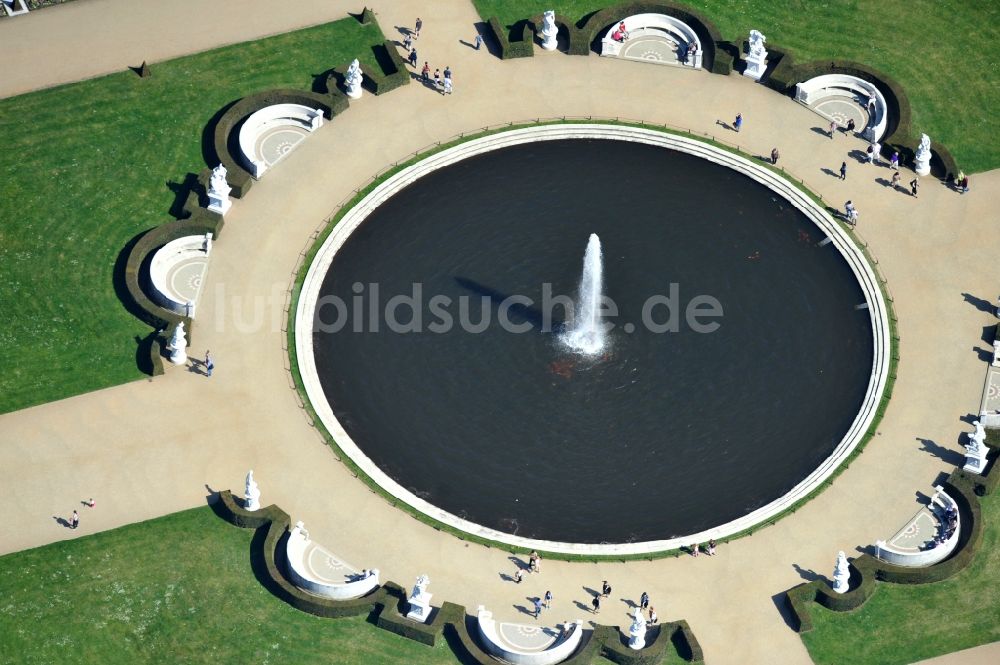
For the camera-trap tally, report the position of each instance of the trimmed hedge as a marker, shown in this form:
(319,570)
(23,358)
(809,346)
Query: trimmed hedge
(394,72)
(521,47)
(866,569)
(710,37)
(387,603)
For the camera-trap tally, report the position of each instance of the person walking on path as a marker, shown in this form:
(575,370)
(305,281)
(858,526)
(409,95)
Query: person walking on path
(894,160)
(876,151)
(478,41)
(913,187)
(74,521)
(425,73)
(548,600)
(644,600)
(774,155)
(871,154)
(408,41)
(419,24)
(596,603)
(605,589)
(518,576)
(447,72)
(843,170)
(653,619)
(851,125)
(447,87)
(851,213)
(209,363)
(413,58)
(91,503)
(833,127)
(895,180)
(437,79)
(738,122)
(538,605)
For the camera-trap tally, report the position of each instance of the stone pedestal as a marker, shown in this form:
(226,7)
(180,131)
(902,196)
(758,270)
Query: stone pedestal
(419,607)
(354,89)
(975,462)
(219,203)
(756,65)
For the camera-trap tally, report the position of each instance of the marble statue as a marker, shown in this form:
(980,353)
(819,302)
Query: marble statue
(549,31)
(922,158)
(976,450)
(637,631)
(352,79)
(252,494)
(756,56)
(420,587)
(178,345)
(299,530)
(841,574)
(218,191)
(419,602)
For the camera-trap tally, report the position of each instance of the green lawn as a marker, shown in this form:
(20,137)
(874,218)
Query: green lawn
(178,589)
(85,168)
(942,52)
(906,623)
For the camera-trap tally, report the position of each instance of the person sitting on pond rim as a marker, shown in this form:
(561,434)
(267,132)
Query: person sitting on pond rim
(605,589)
(711,548)
(534,561)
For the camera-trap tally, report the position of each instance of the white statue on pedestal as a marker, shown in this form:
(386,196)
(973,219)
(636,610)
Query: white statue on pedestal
(352,79)
(637,631)
(756,56)
(178,345)
(922,158)
(252,493)
(218,191)
(841,574)
(996,353)
(419,602)
(976,450)
(549,31)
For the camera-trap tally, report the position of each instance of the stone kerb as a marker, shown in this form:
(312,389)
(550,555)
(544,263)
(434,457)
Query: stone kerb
(809,93)
(658,26)
(547,644)
(875,304)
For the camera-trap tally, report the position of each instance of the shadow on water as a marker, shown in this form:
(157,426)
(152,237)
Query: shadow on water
(517,312)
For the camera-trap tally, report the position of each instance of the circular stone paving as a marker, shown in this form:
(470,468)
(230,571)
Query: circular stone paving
(842,109)
(184,278)
(274,144)
(650,48)
(667,433)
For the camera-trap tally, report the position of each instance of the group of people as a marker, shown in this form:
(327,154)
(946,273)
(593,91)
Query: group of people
(620,34)
(948,528)
(443,85)
(709,548)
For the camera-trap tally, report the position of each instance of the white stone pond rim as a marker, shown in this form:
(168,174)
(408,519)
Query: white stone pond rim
(354,217)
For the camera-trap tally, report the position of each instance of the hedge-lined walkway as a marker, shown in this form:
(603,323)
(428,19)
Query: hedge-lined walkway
(151,448)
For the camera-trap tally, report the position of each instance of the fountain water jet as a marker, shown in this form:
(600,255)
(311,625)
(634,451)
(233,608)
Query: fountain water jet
(587,334)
